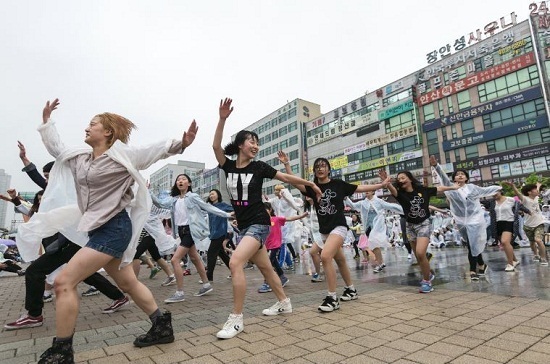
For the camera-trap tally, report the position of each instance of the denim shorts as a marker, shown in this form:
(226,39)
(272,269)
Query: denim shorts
(258,232)
(113,237)
(186,240)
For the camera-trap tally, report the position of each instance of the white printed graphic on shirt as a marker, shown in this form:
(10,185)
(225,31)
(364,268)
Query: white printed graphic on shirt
(325,205)
(232,183)
(416,207)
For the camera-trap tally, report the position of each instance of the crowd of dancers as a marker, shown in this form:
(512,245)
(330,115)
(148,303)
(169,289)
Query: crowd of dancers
(95,213)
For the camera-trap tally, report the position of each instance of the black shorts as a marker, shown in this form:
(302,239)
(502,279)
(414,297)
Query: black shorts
(185,236)
(147,243)
(503,226)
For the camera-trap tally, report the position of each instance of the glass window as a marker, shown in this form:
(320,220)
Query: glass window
(292,126)
(471,151)
(402,145)
(517,113)
(507,84)
(428,111)
(399,121)
(468,127)
(463,99)
(293,140)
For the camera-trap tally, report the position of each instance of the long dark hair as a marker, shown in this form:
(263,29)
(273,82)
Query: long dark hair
(218,193)
(316,163)
(268,206)
(36,202)
(175,190)
(233,147)
(414,182)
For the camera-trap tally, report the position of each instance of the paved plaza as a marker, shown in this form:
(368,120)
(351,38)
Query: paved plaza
(503,318)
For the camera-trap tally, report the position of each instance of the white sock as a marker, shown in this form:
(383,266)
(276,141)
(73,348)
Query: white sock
(47,293)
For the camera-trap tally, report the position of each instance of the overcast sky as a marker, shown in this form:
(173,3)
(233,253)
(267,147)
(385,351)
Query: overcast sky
(163,63)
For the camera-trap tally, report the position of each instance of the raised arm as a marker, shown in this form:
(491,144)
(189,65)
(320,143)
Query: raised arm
(354,205)
(384,176)
(48,131)
(283,158)
(210,208)
(144,156)
(516,191)
(297,217)
(298,182)
(290,199)
(447,188)
(225,110)
(30,168)
(442,175)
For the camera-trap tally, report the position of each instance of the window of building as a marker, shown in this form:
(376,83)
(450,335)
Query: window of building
(282,117)
(463,100)
(525,111)
(509,83)
(397,97)
(402,145)
(432,142)
(293,140)
(471,151)
(295,169)
(454,134)
(293,156)
(368,154)
(292,126)
(447,157)
(399,121)
(283,145)
(283,131)
(266,139)
(468,127)
(292,113)
(428,111)
(274,134)
(517,141)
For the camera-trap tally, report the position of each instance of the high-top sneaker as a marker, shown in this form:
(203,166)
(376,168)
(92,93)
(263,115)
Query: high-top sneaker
(61,352)
(160,333)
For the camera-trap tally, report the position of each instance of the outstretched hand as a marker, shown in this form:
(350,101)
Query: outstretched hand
(225,108)
(190,134)
(22,150)
(383,174)
(5,198)
(318,192)
(47,112)
(12,193)
(283,158)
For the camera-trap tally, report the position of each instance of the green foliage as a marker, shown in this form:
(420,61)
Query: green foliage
(440,202)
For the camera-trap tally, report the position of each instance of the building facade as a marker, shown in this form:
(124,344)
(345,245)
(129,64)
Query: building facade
(483,108)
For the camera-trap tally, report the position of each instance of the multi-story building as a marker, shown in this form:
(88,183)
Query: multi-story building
(282,129)
(482,108)
(5,180)
(164,178)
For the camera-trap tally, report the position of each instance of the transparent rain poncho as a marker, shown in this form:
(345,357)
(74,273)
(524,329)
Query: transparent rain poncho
(378,237)
(467,211)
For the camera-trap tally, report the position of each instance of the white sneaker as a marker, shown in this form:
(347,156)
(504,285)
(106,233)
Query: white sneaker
(279,308)
(232,327)
(509,268)
(409,256)
(516,263)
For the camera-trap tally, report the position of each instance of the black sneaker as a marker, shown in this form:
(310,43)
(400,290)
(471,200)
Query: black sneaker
(349,294)
(329,304)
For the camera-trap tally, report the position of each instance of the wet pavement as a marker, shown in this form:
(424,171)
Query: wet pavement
(501,318)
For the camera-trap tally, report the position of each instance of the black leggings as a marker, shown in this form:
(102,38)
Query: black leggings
(474,261)
(214,251)
(274,259)
(403,223)
(147,243)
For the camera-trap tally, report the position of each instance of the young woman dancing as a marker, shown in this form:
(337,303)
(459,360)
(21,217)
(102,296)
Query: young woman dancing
(86,200)
(244,183)
(333,227)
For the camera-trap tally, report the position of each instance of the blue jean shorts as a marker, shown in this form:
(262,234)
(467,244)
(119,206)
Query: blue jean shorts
(113,237)
(258,232)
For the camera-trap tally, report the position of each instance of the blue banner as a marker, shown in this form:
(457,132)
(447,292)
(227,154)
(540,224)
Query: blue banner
(489,107)
(492,134)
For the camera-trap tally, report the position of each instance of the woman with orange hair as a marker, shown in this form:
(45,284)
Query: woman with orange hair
(88,195)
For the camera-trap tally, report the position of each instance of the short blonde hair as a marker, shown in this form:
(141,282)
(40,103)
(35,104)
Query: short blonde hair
(279,187)
(120,127)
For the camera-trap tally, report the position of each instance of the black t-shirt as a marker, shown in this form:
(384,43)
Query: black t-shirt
(330,209)
(244,186)
(415,204)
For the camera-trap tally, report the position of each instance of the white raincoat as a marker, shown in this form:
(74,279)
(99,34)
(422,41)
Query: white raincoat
(467,211)
(59,210)
(378,237)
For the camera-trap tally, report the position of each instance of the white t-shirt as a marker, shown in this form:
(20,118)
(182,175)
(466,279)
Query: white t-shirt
(504,210)
(536,218)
